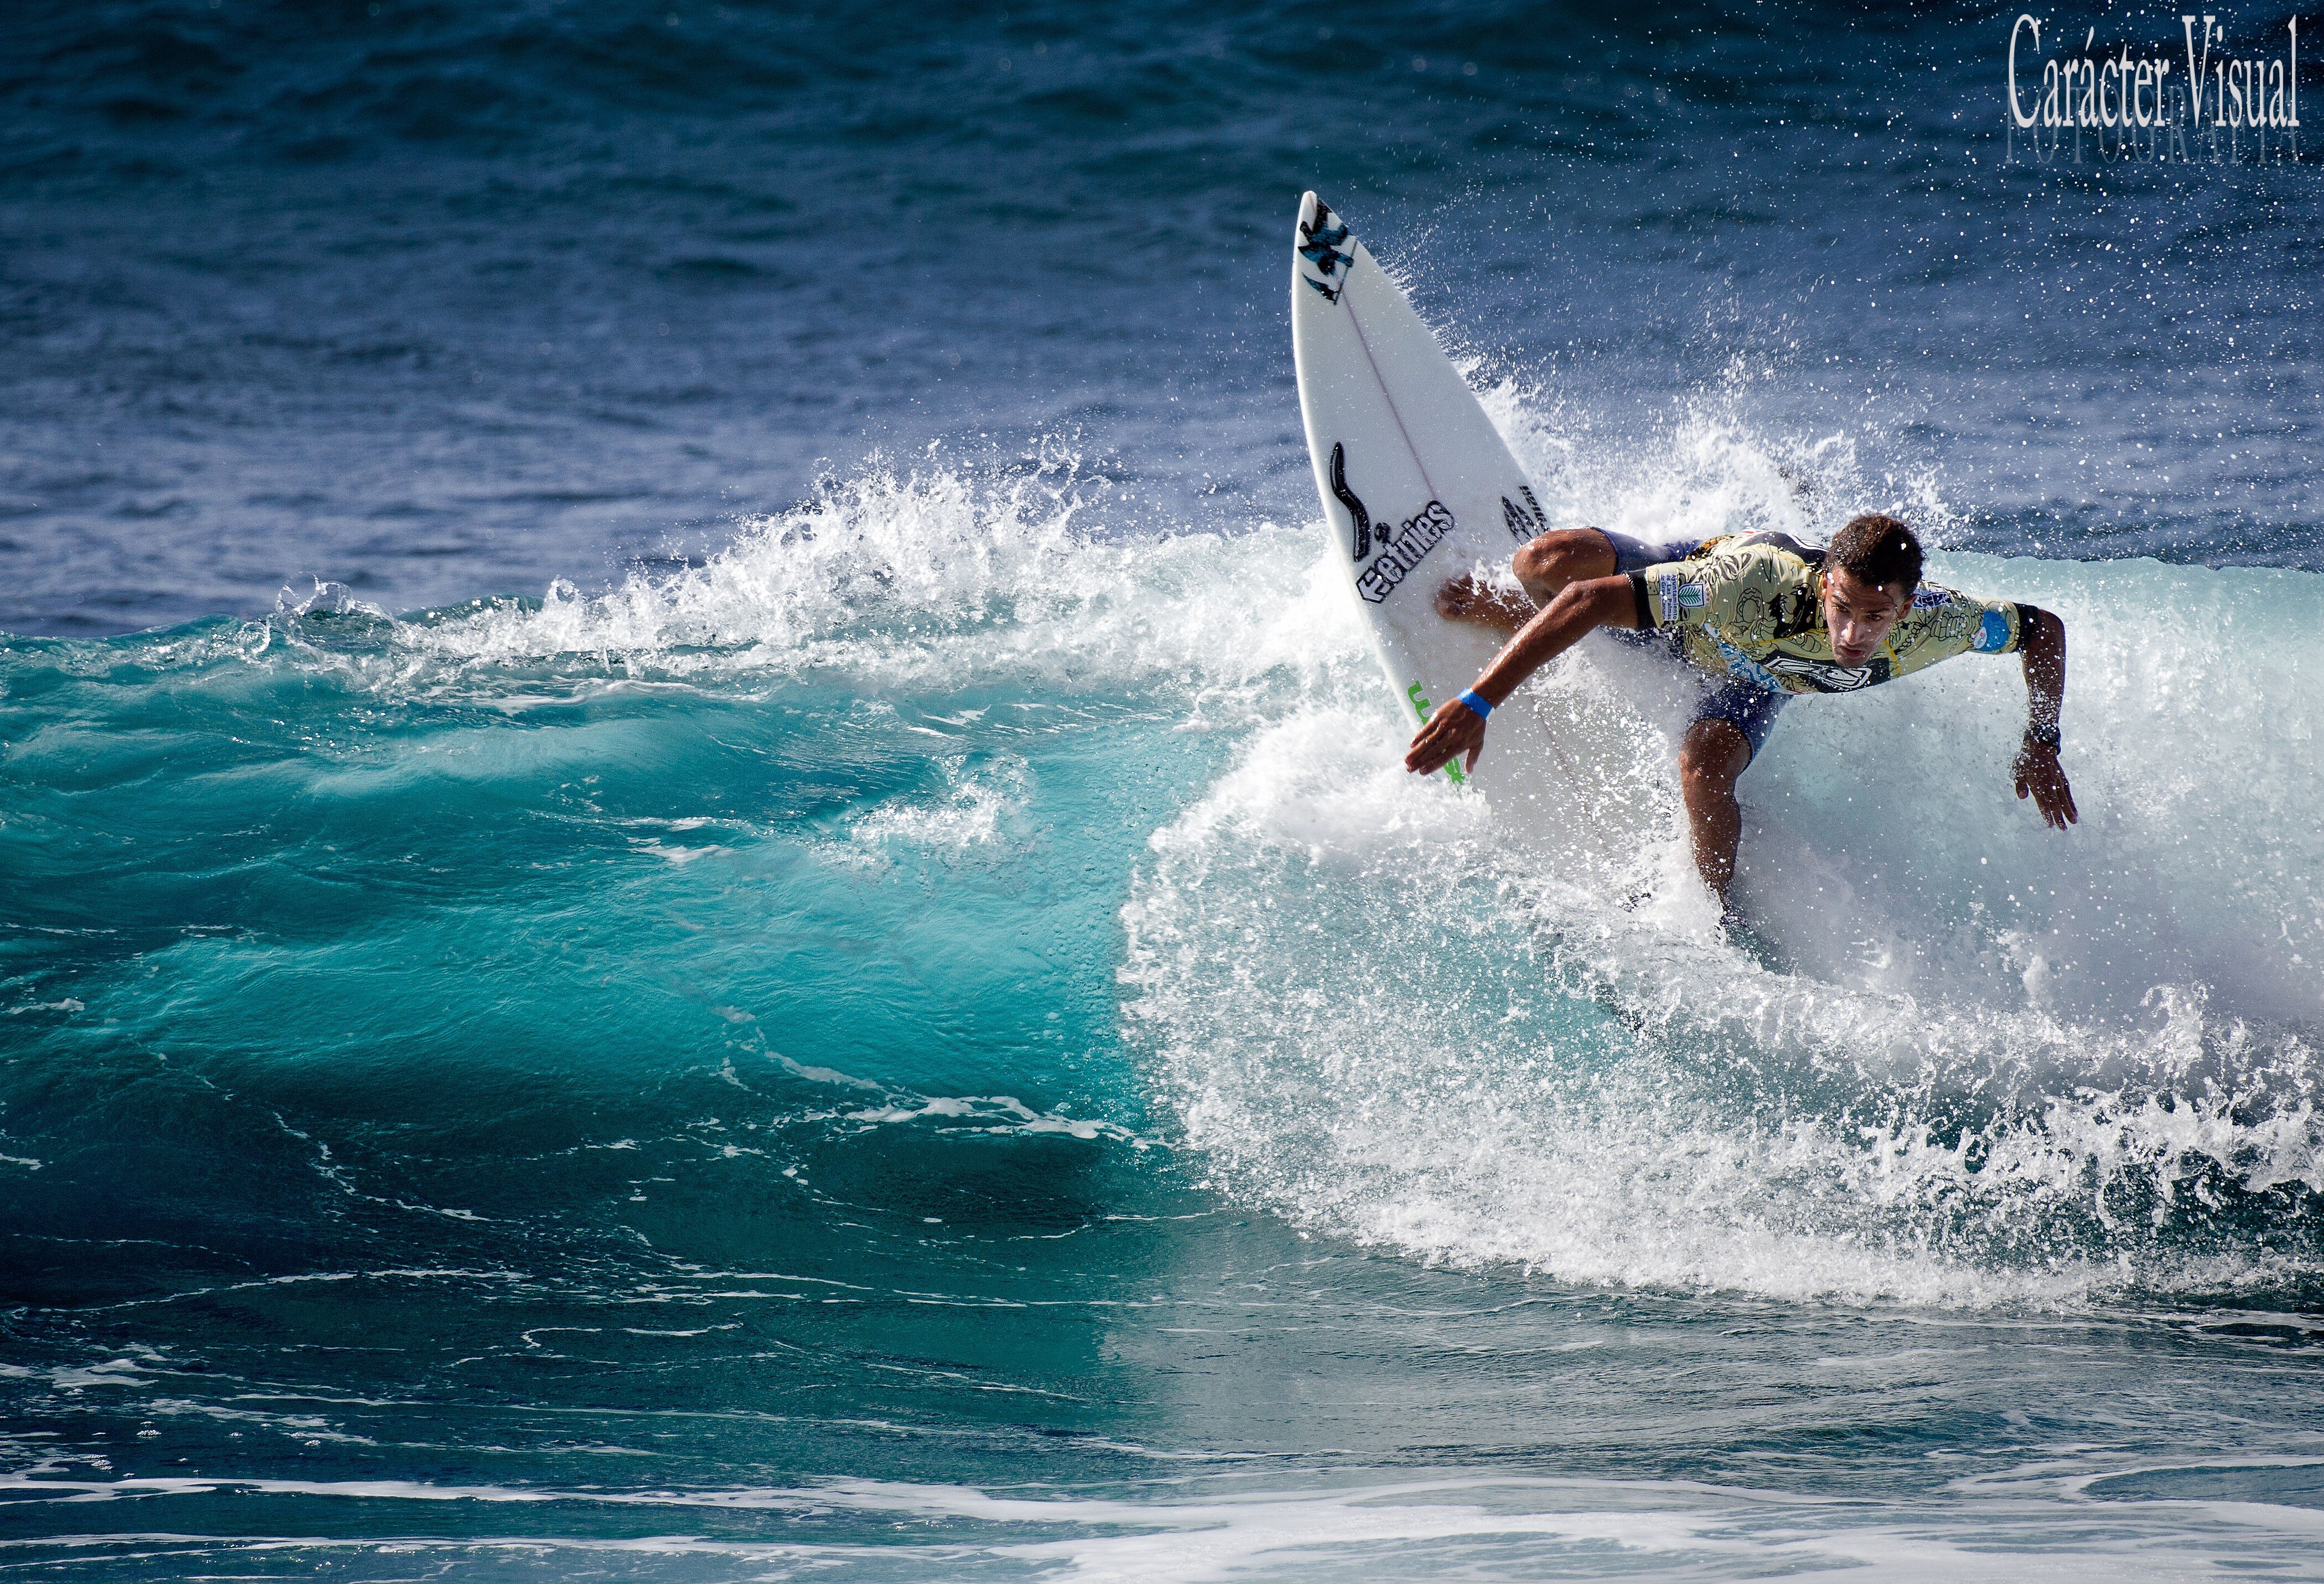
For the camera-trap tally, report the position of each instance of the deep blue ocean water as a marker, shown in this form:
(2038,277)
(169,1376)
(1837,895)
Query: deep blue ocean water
(698,881)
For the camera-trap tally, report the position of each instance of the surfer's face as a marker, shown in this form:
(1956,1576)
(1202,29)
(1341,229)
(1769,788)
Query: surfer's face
(1859,613)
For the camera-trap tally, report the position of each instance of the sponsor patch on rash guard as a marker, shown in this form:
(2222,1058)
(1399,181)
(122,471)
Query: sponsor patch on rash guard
(1677,597)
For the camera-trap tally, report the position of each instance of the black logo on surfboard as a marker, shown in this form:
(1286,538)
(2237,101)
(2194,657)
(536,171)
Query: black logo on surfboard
(1320,243)
(1405,548)
(1525,520)
(1362,518)
(1400,547)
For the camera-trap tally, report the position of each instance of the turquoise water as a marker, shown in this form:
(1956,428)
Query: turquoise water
(938,1044)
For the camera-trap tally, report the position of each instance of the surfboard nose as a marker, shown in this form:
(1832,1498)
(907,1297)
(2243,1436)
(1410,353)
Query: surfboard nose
(1316,219)
(1322,251)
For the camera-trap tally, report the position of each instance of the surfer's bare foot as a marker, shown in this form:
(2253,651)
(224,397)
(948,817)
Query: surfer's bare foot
(1465,599)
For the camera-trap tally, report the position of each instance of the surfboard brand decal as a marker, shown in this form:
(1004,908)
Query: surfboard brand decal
(1360,518)
(1320,246)
(1526,521)
(1421,532)
(1424,709)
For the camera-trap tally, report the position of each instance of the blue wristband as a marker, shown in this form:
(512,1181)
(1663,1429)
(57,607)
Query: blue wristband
(1474,700)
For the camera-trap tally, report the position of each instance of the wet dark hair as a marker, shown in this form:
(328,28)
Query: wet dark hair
(1877,549)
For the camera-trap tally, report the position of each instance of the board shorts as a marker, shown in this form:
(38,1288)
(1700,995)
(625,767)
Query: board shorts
(1747,707)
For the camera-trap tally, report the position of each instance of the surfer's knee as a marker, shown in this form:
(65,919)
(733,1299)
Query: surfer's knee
(1549,562)
(1710,757)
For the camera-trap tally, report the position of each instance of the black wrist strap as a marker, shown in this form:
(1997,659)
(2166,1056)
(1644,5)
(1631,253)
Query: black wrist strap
(2049,736)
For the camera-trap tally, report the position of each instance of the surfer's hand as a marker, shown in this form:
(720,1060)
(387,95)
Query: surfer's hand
(1450,733)
(2038,773)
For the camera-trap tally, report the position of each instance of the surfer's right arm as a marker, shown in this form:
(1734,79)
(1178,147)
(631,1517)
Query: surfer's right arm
(1455,729)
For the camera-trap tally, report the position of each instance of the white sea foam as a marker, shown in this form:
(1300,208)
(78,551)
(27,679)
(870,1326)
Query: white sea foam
(1991,1063)
(965,821)
(1994,1064)
(1704,470)
(1446,1525)
(917,581)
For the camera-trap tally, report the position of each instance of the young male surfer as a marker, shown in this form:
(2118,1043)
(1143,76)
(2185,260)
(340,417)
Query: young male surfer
(1767,616)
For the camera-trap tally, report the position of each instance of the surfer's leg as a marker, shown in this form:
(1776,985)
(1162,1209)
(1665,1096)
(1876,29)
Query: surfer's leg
(1542,565)
(1636,555)
(1546,564)
(1730,727)
(1711,756)
(1568,555)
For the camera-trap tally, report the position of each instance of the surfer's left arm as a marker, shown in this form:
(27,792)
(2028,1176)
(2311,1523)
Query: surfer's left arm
(1455,729)
(2036,773)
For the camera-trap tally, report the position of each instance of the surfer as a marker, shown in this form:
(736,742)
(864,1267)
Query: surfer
(1768,618)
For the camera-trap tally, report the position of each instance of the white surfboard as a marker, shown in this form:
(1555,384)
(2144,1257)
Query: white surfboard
(1418,488)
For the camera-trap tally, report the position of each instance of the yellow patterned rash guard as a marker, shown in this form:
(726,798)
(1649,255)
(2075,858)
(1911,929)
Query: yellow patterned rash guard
(1750,605)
